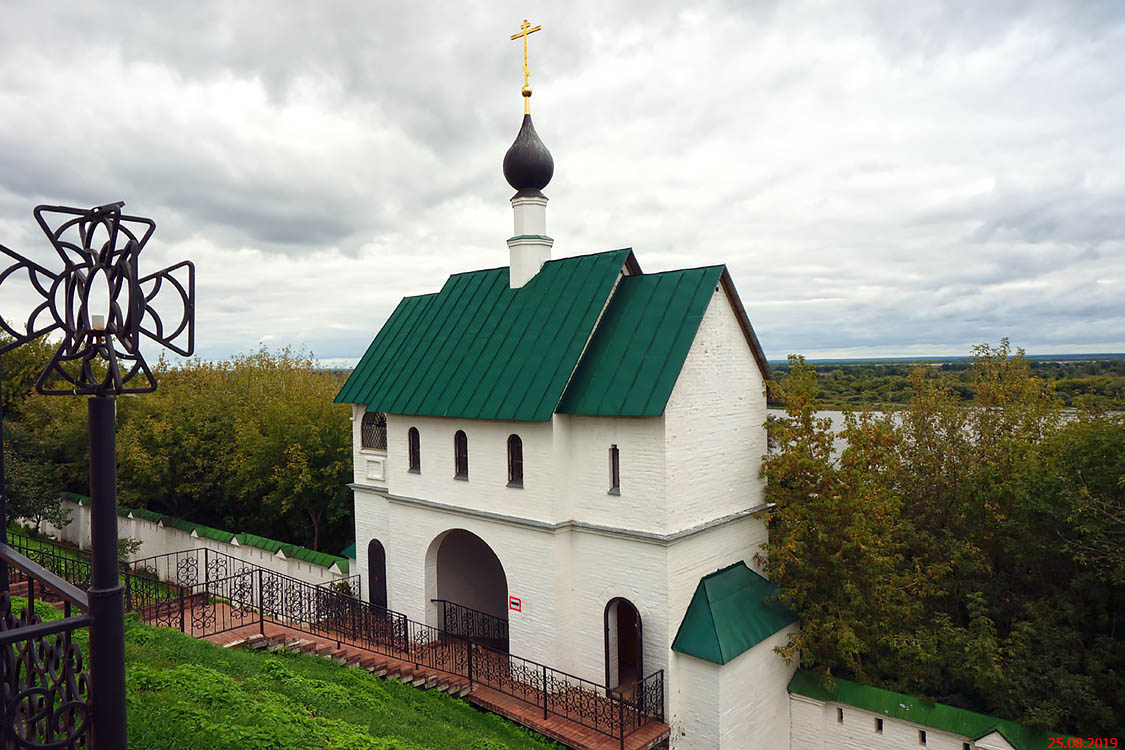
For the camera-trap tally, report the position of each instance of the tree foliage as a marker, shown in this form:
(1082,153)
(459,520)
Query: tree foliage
(971,554)
(254,443)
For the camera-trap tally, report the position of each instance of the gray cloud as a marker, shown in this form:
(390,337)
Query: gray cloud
(886,178)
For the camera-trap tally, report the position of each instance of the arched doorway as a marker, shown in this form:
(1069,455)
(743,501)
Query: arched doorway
(624,645)
(469,588)
(377,573)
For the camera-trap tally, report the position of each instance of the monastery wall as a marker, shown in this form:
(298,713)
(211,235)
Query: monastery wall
(713,424)
(836,726)
(157,539)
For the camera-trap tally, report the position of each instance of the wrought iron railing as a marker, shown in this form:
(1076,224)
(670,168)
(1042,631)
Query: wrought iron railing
(204,592)
(457,619)
(44,684)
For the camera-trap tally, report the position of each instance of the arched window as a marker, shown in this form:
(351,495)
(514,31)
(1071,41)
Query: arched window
(515,461)
(413,450)
(373,431)
(460,455)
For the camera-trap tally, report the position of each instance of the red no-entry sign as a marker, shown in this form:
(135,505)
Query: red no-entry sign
(515,604)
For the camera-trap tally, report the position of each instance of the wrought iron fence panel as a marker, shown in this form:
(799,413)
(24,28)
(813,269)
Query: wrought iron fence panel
(44,686)
(467,622)
(69,564)
(167,590)
(187,569)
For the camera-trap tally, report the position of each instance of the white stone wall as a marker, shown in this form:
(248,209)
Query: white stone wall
(740,705)
(713,424)
(754,701)
(524,554)
(486,488)
(157,539)
(602,568)
(816,726)
(694,700)
(585,472)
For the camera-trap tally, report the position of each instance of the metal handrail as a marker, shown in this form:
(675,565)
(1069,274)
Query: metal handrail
(318,610)
(34,570)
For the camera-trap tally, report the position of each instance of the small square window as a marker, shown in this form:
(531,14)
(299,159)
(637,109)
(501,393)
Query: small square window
(840,715)
(965,746)
(878,726)
(921,736)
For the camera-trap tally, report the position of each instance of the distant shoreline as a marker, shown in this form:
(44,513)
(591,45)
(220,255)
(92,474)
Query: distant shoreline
(953,360)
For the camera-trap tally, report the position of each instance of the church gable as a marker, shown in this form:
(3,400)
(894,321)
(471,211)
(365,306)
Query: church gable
(634,359)
(479,349)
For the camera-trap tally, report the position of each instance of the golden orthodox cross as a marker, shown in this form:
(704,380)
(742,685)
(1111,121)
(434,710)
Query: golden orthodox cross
(525,29)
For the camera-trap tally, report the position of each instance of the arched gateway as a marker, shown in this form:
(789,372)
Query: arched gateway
(467,586)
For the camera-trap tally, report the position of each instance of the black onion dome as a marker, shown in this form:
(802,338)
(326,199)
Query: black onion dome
(528,164)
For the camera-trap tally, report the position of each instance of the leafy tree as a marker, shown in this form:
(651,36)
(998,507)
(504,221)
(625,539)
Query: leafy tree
(254,443)
(972,554)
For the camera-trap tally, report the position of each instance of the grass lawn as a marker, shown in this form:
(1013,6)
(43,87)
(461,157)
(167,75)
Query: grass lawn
(36,542)
(186,694)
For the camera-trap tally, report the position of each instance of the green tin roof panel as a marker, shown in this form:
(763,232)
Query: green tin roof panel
(481,350)
(909,708)
(348,551)
(636,355)
(732,611)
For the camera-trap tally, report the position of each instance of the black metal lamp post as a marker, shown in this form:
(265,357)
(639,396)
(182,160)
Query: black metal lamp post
(101,308)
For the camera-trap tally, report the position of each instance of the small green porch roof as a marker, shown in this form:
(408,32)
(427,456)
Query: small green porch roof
(939,716)
(731,612)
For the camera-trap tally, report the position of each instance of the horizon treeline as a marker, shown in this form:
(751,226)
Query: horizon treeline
(873,385)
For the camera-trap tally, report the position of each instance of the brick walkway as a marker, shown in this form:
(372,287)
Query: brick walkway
(557,728)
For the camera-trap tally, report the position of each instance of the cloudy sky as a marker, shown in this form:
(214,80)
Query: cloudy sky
(882,178)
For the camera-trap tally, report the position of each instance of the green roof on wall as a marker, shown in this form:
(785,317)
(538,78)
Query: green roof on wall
(731,611)
(479,349)
(636,355)
(292,551)
(909,708)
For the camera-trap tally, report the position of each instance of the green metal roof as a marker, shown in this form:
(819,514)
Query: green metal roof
(732,611)
(636,355)
(348,551)
(291,551)
(479,349)
(909,708)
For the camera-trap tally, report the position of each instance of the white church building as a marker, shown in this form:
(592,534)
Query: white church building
(566,452)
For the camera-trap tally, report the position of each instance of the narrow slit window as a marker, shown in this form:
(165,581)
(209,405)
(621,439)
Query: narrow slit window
(515,461)
(614,470)
(921,736)
(460,455)
(839,716)
(414,451)
(965,746)
(878,726)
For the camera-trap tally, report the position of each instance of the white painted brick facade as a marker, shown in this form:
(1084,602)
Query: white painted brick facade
(714,424)
(694,465)
(816,726)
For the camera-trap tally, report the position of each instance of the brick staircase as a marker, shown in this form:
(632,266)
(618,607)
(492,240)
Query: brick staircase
(385,667)
(279,638)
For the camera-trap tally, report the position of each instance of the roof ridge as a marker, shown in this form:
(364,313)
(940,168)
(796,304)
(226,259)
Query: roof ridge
(551,260)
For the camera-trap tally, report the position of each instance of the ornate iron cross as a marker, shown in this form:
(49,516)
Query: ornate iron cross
(98,302)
